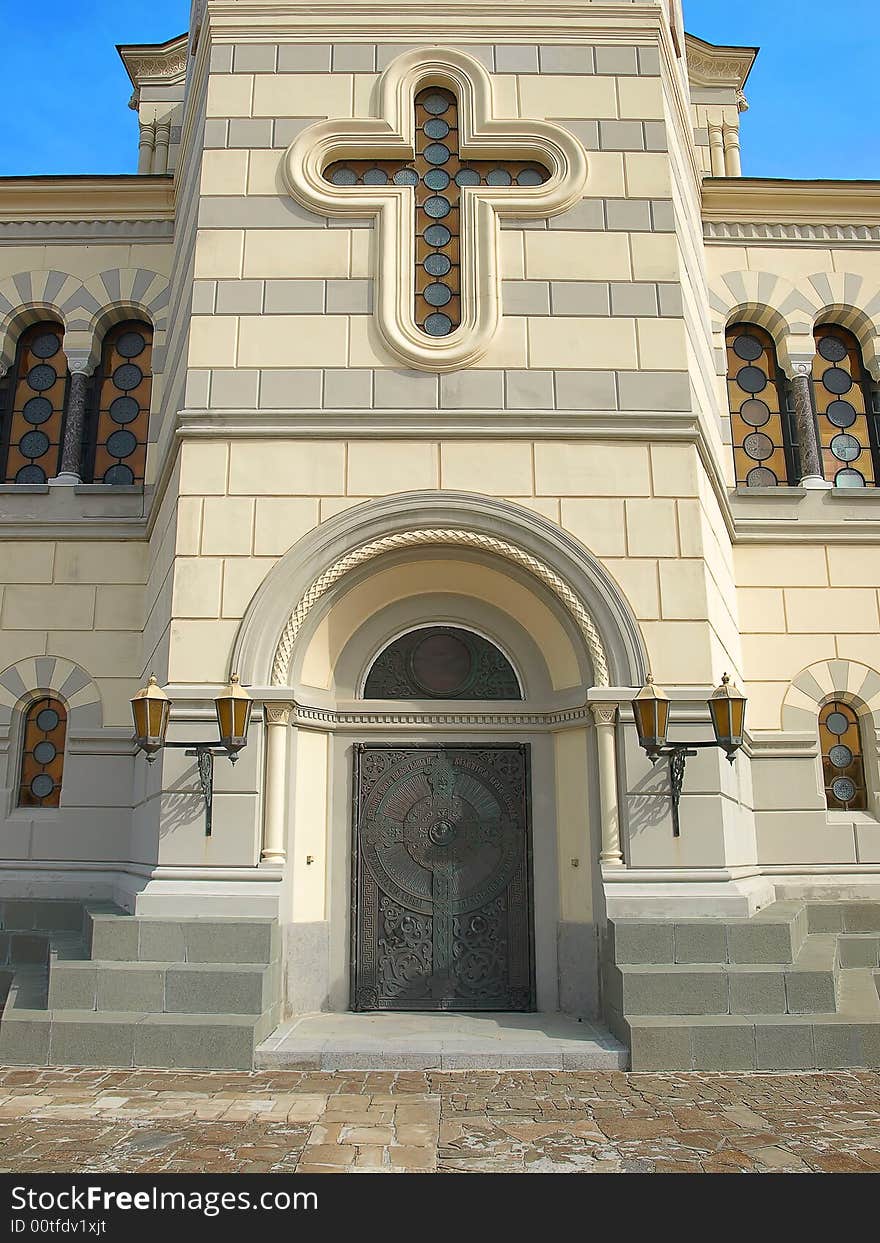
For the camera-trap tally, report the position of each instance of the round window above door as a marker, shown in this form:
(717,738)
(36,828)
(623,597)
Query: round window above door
(442,662)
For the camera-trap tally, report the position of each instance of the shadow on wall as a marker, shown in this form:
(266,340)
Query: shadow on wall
(649,802)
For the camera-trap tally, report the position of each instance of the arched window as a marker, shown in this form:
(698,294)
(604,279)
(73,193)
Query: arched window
(759,417)
(42,758)
(847,428)
(441,662)
(843,765)
(119,415)
(33,407)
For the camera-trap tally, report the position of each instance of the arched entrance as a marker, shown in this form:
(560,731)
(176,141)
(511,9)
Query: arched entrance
(333,627)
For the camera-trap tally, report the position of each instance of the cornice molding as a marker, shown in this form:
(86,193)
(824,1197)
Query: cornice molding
(85,230)
(710,64)
(810,234)
(155,64)
(767,202)
(46,200)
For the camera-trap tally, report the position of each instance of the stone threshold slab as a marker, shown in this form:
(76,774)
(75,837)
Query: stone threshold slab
(445,1041)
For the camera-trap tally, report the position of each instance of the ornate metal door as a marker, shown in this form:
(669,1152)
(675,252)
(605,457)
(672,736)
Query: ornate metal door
(441,886)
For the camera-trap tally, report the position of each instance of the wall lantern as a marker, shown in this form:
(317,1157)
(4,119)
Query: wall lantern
(151,710)
(727,708)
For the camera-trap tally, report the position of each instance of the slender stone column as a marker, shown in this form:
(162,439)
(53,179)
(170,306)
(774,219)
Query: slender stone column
(716,150)
(277,724)
(146,141)
(732,164)
(80,368)
(160,156)
(810,455)
(605,716)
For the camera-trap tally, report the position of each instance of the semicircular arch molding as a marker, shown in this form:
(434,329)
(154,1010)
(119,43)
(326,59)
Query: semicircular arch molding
(25,299)
(848,680)
(61,677)
(420,520)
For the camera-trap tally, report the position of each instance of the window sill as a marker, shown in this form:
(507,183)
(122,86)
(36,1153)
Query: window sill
(789,493)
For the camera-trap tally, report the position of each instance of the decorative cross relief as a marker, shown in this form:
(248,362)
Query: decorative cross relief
(437,169)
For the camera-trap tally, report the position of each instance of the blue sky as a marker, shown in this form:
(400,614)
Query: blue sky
(813,92)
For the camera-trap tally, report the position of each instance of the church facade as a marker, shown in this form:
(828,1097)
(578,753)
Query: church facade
(440,375)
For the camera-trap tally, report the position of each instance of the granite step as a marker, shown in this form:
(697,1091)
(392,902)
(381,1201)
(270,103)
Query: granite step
(775,935)
(163,987)
(119,937)
(57,1037)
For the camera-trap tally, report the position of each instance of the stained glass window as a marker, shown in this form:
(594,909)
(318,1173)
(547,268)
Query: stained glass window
(847,427)
(42,760)
(843,766)
(439,175)
(759,416)
(116,436)
(442,662)
(33,410)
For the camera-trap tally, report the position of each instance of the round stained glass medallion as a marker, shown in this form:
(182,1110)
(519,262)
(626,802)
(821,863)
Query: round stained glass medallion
(33,444)
(121,443)
(121,476)
(437,179)
(837,723)
(124,410)
(758,446)
(849,478)
(42,785)
(437,265)
(437,235)
(130,344)
(45,752)
(435,103)
(467,177)
(840,755)
(529,177)
(747,347)
(441,664)
(761,477)
(843,789)
(841,414)
(46,345)
(37,410)
(436,153)
(755,412)
(127,377)
(41,377)
(47,720)
(836,380)
(751,379)
(375,177)
(406,177)
(344,177)
(437,207)
(832,349)
(845,447)
(438,325)
(437,294)
(436,128)
(31,474)
(499,177)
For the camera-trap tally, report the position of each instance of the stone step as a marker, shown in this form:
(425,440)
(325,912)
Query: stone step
(133,938)
(711,988)
(157,987)
(859,949)
(753,1042)
(775,935)
(42,915)
(132,1039)
(858,916)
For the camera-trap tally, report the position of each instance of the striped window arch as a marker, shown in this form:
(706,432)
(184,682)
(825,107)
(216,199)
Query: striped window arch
(759,416)
(32,406)
(119,409)
(42,753)
(843,762)
(848,431)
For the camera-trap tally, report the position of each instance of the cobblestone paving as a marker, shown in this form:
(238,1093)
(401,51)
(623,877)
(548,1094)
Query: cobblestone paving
(473,1121)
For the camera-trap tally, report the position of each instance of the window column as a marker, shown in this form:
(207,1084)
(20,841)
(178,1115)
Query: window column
(809,456)
(80,368)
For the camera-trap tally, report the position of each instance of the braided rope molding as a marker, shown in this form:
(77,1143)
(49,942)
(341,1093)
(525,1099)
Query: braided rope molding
(438,535)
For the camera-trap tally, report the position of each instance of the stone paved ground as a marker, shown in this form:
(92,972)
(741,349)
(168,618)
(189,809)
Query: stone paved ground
(475,1121)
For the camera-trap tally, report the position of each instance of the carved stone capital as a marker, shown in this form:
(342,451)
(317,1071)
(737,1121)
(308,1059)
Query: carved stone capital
(742,104)
(604,714)
(80,362)
(279,713)
(800,367)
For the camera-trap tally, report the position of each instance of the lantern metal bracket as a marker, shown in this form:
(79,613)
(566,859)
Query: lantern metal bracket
(204,753)
(677,753)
